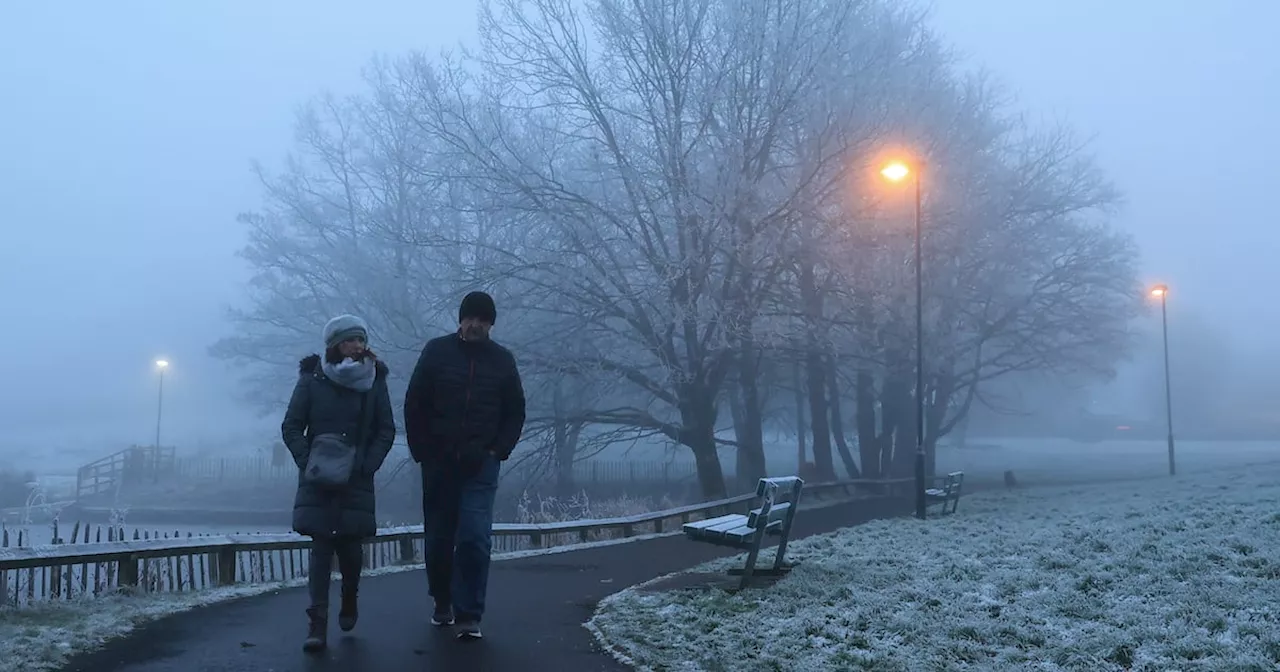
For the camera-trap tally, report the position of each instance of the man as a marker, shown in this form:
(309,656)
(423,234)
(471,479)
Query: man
(463,414)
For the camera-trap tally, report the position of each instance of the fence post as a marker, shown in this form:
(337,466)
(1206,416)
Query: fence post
(406,550)
(128,571)
(227,566)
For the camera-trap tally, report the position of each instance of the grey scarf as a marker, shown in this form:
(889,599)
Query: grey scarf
(350,373)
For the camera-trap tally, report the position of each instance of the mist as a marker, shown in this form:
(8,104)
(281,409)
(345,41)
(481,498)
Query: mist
(128,133)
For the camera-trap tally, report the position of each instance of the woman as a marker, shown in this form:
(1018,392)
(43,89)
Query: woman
(339,428)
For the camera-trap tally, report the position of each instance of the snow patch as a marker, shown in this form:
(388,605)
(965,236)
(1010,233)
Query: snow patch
(1176,574)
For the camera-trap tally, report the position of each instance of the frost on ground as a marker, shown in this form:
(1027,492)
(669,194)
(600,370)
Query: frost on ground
(42,637)
(1178,574)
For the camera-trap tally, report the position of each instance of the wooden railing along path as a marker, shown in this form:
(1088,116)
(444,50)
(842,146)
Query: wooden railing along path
(131,466)
(65,571)
(257,468)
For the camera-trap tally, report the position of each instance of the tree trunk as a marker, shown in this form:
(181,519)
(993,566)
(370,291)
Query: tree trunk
(698,417)
(802,428)
(748,421)
(566,444)
(566,450)
(837,422)
(868,441)
(816,376)
(962,432)
(897,434)
(817,381)
(935,417)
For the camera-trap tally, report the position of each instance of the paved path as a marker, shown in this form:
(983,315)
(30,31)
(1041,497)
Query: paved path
(536,609)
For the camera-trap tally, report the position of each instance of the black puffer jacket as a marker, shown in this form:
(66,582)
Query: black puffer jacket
(320,406)
(465,399)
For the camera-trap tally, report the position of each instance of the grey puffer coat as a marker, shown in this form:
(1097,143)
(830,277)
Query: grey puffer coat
(319,406)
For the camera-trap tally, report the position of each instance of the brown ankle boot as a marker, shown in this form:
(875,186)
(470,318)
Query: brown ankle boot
(348,614)
(317,629)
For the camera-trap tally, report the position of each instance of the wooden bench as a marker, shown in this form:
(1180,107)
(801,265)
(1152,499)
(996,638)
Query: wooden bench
(777,499)
(948,495)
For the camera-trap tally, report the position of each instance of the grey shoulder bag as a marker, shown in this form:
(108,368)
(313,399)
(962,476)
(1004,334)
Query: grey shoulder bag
(333,457)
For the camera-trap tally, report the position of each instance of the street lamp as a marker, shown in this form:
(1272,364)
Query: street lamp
(897,171)
(1162,292)
(161,365)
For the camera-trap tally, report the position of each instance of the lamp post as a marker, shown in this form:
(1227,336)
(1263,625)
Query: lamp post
(161,365)
(1162,292)
(896,172)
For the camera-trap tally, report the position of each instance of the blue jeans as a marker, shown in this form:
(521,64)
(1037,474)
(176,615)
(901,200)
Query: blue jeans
(457,516)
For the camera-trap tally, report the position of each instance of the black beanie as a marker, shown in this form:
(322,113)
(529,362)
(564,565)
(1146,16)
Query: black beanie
(478,305)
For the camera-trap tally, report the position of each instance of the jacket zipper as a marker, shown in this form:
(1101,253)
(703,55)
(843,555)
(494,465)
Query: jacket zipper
(466,405)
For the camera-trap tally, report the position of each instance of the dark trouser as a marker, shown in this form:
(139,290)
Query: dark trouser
(457,515)
(350,554)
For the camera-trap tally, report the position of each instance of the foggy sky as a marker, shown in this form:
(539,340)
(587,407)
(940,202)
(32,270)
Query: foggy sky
(127,131)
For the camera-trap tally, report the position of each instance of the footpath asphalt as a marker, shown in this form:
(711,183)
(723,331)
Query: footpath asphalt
(537,606)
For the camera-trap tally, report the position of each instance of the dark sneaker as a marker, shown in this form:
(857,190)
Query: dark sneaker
(469,630)
(442,617)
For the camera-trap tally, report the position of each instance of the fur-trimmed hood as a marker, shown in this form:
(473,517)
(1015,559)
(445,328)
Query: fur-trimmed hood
(311,364)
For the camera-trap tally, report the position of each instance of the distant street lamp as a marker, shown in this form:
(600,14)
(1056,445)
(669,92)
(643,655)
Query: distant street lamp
(897,171)
(161,365)
(1162,292)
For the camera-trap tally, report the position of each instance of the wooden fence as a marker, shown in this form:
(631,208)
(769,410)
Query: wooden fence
(83,568)
(131,466)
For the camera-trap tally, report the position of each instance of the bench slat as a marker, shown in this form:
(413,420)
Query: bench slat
(727,523)
(778,490)
(741,533)
(775,515)
(712,522)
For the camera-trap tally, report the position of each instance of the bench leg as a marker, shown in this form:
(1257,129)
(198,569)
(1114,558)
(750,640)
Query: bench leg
(779,557)
(752,555)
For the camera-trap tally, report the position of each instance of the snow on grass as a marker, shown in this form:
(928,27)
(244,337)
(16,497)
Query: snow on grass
(1178,574)
(1063,462)
(43,636)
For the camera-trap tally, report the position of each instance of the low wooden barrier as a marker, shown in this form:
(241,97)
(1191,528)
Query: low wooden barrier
(66,571)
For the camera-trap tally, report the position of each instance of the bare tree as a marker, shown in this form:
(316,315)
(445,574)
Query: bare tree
(665,196)
(662,150)
(1022,274)
(346,227)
